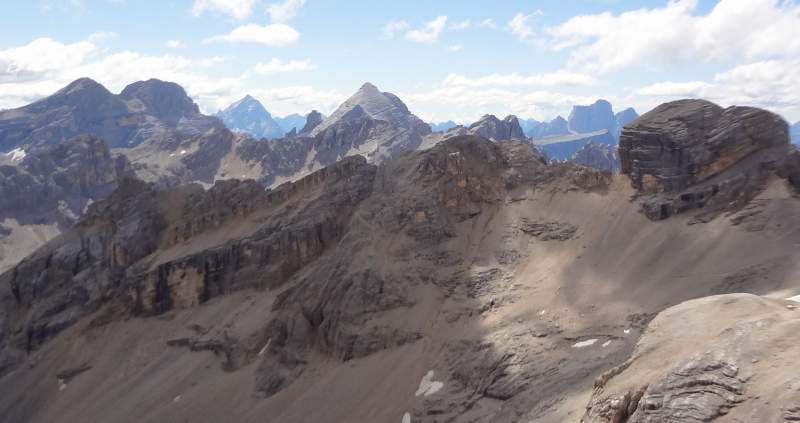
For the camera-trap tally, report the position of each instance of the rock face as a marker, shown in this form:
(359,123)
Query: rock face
(52,186)
(143,110)
(596,117)
(490,127)
(597,156)
(312,121)
(684,152)
(732,369)
(248,115)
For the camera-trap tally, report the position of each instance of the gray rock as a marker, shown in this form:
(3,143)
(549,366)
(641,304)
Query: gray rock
(312,121)
(682,154)
(490,127)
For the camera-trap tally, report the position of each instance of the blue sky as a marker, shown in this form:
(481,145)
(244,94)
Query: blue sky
(448,59)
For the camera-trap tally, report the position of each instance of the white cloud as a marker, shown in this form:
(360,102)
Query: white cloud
(175,44)
(467,104)
(770,84)
(456,47)
(283,12)
(487,23)
(393,27)
(465,24)
(237,9)
(521,25)
(279,66)
(429,33)
(733,29)
(297,99)
(42,56)
(101,37)
(277,35)
(561,78)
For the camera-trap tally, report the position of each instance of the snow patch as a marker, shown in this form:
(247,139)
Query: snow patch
(172,154)
(541,313)
(406,417)
(607,343)
(176,399)
(61,385)
(183,152)
(796,299)
(586,343)
(626,331)
(263,350)
(428,386)
(16,154)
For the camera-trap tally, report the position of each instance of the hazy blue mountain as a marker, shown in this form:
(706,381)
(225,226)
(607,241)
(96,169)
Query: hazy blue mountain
(248,115)
(595,117)
(623,118)
(529,126)
(442,126)
(289,122)
(555,127)
(794,133)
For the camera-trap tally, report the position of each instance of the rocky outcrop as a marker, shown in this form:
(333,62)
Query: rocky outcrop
(692,154)
(732,371)
(490,127)
(312,121)
(248,115)
(597,156)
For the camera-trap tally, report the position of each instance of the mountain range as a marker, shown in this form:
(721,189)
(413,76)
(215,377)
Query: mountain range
(373,271)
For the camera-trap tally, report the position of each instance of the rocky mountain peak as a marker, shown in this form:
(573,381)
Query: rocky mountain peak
(377,105)
(248,115)
(167,101)
(490,127)
(595,117)
(312,121)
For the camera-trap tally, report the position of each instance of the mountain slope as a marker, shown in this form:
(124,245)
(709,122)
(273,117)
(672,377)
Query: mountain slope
(46,191)
(248,115)
(468,282)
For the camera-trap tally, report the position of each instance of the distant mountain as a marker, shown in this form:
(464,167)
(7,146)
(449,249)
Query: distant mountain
(248,115)
(529,126)
(563,147)
(289,122)
(143,110)
(794,133)
(597,156)
(373,124)
(442,126)
(595,117)
(623,118)
(555,127)
(378,123)
(490,127)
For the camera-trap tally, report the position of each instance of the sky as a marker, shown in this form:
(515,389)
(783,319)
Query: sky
(446,59)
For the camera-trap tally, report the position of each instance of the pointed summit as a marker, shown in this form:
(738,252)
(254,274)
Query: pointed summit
(248,115)
(377,105)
